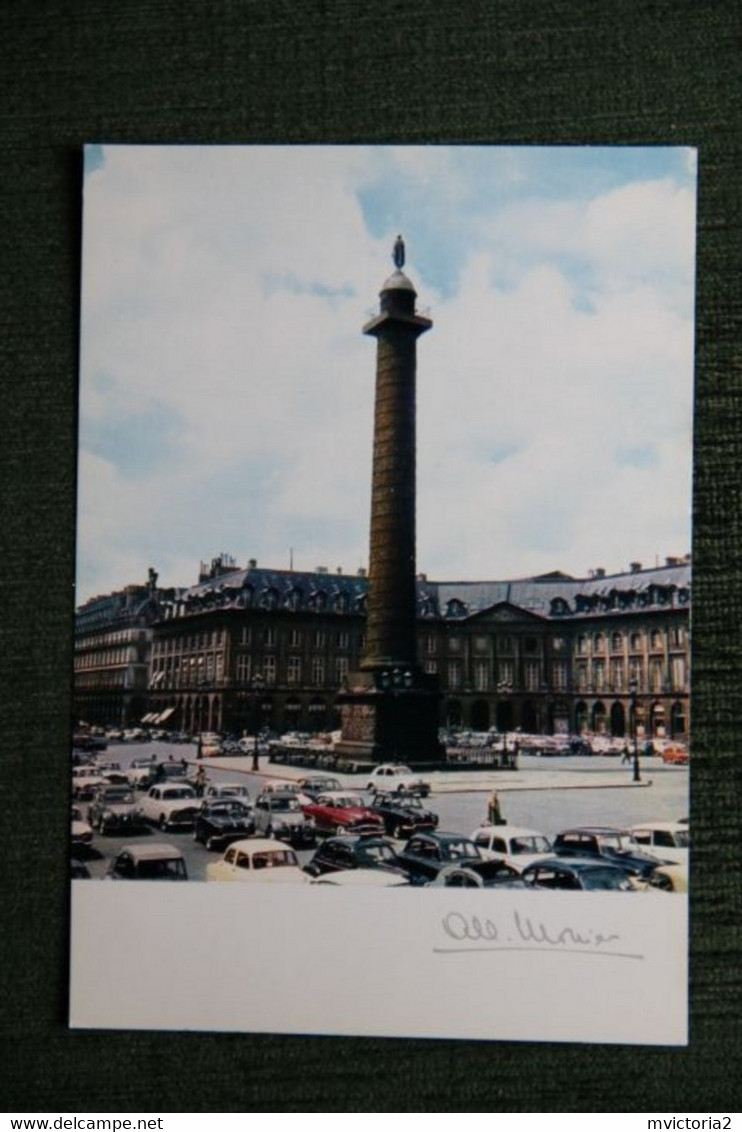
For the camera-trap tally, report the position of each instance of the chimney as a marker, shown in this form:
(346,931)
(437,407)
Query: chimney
(361,571)
(635,567)
(252,564)
(672,561)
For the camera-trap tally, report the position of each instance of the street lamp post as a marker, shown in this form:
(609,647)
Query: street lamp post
(257,683)
(632,697)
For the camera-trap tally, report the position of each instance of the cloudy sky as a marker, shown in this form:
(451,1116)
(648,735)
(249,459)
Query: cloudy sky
(226,389)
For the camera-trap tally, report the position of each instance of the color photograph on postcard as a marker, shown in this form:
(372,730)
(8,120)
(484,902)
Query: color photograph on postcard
(383,591)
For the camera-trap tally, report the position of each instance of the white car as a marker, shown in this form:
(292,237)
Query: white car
(516,845)
(81,833)
(170,805)
(395,776)
(666,839)
(140,773)
(258,861)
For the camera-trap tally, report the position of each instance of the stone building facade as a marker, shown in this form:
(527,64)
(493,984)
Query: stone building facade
(250,648)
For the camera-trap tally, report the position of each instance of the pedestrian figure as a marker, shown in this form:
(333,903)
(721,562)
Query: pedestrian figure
(255,755)
(626,754)
(494,816)
(200,782)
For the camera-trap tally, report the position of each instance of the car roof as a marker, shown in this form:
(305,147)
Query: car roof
(154,851)
(597,830)
(509,831)
(670,825)
(259,845)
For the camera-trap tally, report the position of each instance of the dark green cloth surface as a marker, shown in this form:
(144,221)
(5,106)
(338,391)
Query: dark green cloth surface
(568,71)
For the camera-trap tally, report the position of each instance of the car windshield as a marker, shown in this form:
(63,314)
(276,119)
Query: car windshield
(345,801)
(233,809)
(179,792)
(232,791)
(162,870)
(534,844)
(618,842)
(682,838)
(117,796)
(284,805)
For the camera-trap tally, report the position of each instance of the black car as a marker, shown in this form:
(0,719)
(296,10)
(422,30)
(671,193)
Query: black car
(403,814)
(222,821)
(339,853)
(615,846)
(426,854)
(578,874)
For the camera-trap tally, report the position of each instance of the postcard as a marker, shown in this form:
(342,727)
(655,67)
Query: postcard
(383,592)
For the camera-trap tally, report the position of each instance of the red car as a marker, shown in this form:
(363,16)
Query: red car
(675,753)
(339,811)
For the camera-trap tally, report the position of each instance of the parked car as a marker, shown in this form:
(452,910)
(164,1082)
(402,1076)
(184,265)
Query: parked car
(340,811)
(170,805)
(516,845)
(675,754)
(338,854)
(258,860)
(220,821)
(667,839)
(403,814)
(281,816)
(578,874)
(81,834)
(616,846)
(148,861)
(395,776)
(85,781)
(317,784)
(114,809)
(425,854)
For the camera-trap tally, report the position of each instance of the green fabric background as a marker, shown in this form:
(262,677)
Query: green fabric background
(654,71)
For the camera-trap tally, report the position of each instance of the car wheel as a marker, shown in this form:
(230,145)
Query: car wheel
(397,833)
(340,831)
(209,843)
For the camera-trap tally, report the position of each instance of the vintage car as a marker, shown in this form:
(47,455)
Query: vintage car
(462,876)
(402,813)
(81,834)
(148,861)
(280,815)
(85,781)
(425,854)
(395,776)
(170,805)
(616,846)
(586,874)
(220,821)
(339,854)
(114,809)
(257,860)
(675,754)
(316,784)
(340,811)
(516,845)
(667,839)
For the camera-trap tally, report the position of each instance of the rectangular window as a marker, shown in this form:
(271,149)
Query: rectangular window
(341,669)
(269,636)
(245,635)
(599,676)
(243,669)
(342,640)
(269,669)
(293,672)
(454,673)
(294,638)
(431,667)
(505,675)
(678,674)
(454,644)
(481,675)
(617,676)
(319,638)
(581,677)
(532,675)
(559,675)
(430,644)
(318,671)
(655,676)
